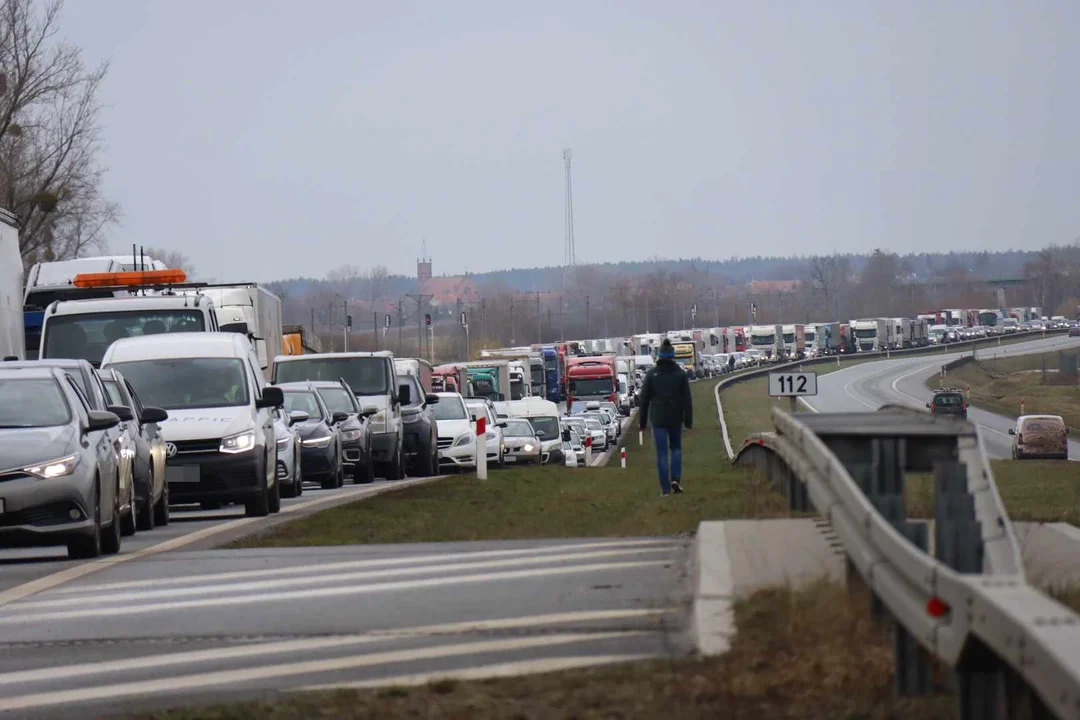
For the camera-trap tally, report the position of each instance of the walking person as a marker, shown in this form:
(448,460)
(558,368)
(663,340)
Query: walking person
(665,401)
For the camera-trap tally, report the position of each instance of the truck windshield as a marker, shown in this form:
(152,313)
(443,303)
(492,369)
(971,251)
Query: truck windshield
(762,339)
(365,375)
(517,388)
(789,337)
(866,334)
(536,373)
(188,383)
(591,386)
(88,336)
(988,318)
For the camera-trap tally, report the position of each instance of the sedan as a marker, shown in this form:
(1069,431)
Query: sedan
(143,425)
(290,475)
(354,428)
(60,482)
(321,458)
(520,443)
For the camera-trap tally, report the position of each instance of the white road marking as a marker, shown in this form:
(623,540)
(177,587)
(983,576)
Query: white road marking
(229,677)
(329,579)
(373,562)
(486,672)
(78,571)
(108,667)
(17,618)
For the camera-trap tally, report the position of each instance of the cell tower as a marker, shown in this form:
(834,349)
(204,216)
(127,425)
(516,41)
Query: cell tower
(570,254)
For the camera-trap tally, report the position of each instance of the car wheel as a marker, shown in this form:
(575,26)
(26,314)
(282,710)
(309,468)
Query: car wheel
(161,509)
(340,480)
(395,470)
(367,474)
(129,523)
(86,547)
(259,505)
(274,500)
(502,460)
(298,475)
(110,539)
(146,512)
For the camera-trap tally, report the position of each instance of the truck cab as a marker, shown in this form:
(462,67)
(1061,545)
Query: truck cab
(767,339)
(591,377)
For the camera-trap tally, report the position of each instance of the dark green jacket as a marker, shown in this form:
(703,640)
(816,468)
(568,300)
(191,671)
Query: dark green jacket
(665,397)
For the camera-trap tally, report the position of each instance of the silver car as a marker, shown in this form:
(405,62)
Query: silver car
(289,473)
(520,443)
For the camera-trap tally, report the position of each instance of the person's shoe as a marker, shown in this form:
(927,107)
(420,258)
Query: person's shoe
(676,487)
(664,494)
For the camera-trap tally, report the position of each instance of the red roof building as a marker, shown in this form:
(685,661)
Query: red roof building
(448,290)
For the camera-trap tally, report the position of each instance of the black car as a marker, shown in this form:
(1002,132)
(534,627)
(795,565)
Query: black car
(151,490)
(948,401)
(421,428)
(60,472)
(355,430)
(321,458)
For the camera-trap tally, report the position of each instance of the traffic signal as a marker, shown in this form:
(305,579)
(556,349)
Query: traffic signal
(427,319)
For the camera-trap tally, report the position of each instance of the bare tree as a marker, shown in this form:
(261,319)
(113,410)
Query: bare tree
(173,259)
(50,175)
(345,273)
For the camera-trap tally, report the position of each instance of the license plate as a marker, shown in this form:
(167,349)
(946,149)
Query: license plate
(182,473)
(510,458)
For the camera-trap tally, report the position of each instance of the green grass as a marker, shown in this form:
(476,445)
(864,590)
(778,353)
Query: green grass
(810,654)
(998,384)
(550,502)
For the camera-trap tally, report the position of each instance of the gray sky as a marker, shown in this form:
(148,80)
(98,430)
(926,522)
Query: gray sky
(273,139)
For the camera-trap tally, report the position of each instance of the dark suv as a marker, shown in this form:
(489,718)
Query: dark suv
(948,401)
(421,430)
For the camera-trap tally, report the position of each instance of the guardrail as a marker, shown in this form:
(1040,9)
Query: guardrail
(929,350)
(966,603)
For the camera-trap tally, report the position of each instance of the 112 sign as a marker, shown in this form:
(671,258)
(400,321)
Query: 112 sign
(791,384)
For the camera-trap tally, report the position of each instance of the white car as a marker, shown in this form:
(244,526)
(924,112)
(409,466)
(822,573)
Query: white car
(574,450)
(481,407)
(457,441)
(289,475)
(599,434)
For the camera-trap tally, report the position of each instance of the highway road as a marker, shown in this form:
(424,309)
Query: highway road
(868,386)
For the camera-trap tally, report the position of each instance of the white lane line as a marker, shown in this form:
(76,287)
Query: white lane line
(308,594)
(373,562)
(921,403)
(78,571)
(486,672)
(230,677)
(108,667)
(330,579)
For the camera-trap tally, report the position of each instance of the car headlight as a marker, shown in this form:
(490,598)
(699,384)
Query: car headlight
(463,440)
(238,443)
(529,447)
(318,442)
(53,468)
(350,435)
(378,421)
(410,418)
(283,443)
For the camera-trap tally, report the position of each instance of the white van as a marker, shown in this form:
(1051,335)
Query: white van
(219,438)
(372,377)
(544,416)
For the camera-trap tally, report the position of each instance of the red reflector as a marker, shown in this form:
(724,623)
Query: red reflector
(761,441)
(936,608)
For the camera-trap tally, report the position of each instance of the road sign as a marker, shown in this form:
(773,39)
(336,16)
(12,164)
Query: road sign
(386,321)
(464,320)
(792,384)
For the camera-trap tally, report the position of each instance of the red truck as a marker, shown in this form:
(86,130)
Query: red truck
(591,377)
(451,378)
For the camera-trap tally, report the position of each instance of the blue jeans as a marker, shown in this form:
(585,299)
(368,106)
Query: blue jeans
(665,437)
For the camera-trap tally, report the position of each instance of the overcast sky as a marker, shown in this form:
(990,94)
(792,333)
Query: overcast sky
(274,139)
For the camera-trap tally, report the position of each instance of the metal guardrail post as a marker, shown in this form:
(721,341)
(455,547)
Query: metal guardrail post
(957,534)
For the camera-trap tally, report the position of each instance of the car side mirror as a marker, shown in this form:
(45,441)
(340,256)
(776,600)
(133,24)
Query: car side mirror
(298,416)
(152,414)
(339,416)
(927,406)
(123,412)
(404,394)
(566,435)
(101,420)
(432,399)
(369,410)
(272,397)
(502,424)
(1012,431)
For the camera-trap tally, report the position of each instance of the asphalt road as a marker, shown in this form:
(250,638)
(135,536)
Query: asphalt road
(868,386)
(183,627)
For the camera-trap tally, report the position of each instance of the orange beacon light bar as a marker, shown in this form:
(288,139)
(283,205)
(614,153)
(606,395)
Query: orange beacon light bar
(137,278)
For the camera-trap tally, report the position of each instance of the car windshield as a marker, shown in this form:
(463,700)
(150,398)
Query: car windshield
(518,428)
(338,400)
(591,386)
(449,408)
(88,336)
(32,402)
(480,409)
(302,401)
(365,375)
(593,424)
(546,428)
(188,383)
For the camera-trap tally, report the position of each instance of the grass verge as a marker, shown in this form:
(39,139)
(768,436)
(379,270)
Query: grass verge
(998,384)
(549,502)
(811,653)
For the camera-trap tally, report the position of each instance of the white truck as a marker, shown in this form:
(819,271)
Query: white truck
(250,310)
(920,332)
(826,338)
(871,334)
(11,289)
(520,387)
(768,339)
(900,335)
(794,341)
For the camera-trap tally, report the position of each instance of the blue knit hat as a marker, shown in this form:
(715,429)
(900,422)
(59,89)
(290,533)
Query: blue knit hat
(666,350)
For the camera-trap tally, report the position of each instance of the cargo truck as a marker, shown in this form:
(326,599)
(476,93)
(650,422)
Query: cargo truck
(297,341)
(250,310)
(12,333)
(794,341)
(686,356)
(900,333)
(870,334)
(591,377)
(768,339)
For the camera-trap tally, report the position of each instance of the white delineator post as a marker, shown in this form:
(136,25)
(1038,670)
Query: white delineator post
(622,459)
(481,448)
(640,437)
(588,451)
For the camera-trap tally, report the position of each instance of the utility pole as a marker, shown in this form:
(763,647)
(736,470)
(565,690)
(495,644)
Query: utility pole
(400,328)
(647,312)
(570,259)
(345,325)
(420,298)
(511,320)
(605,314)
(779,306)
(587,333)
